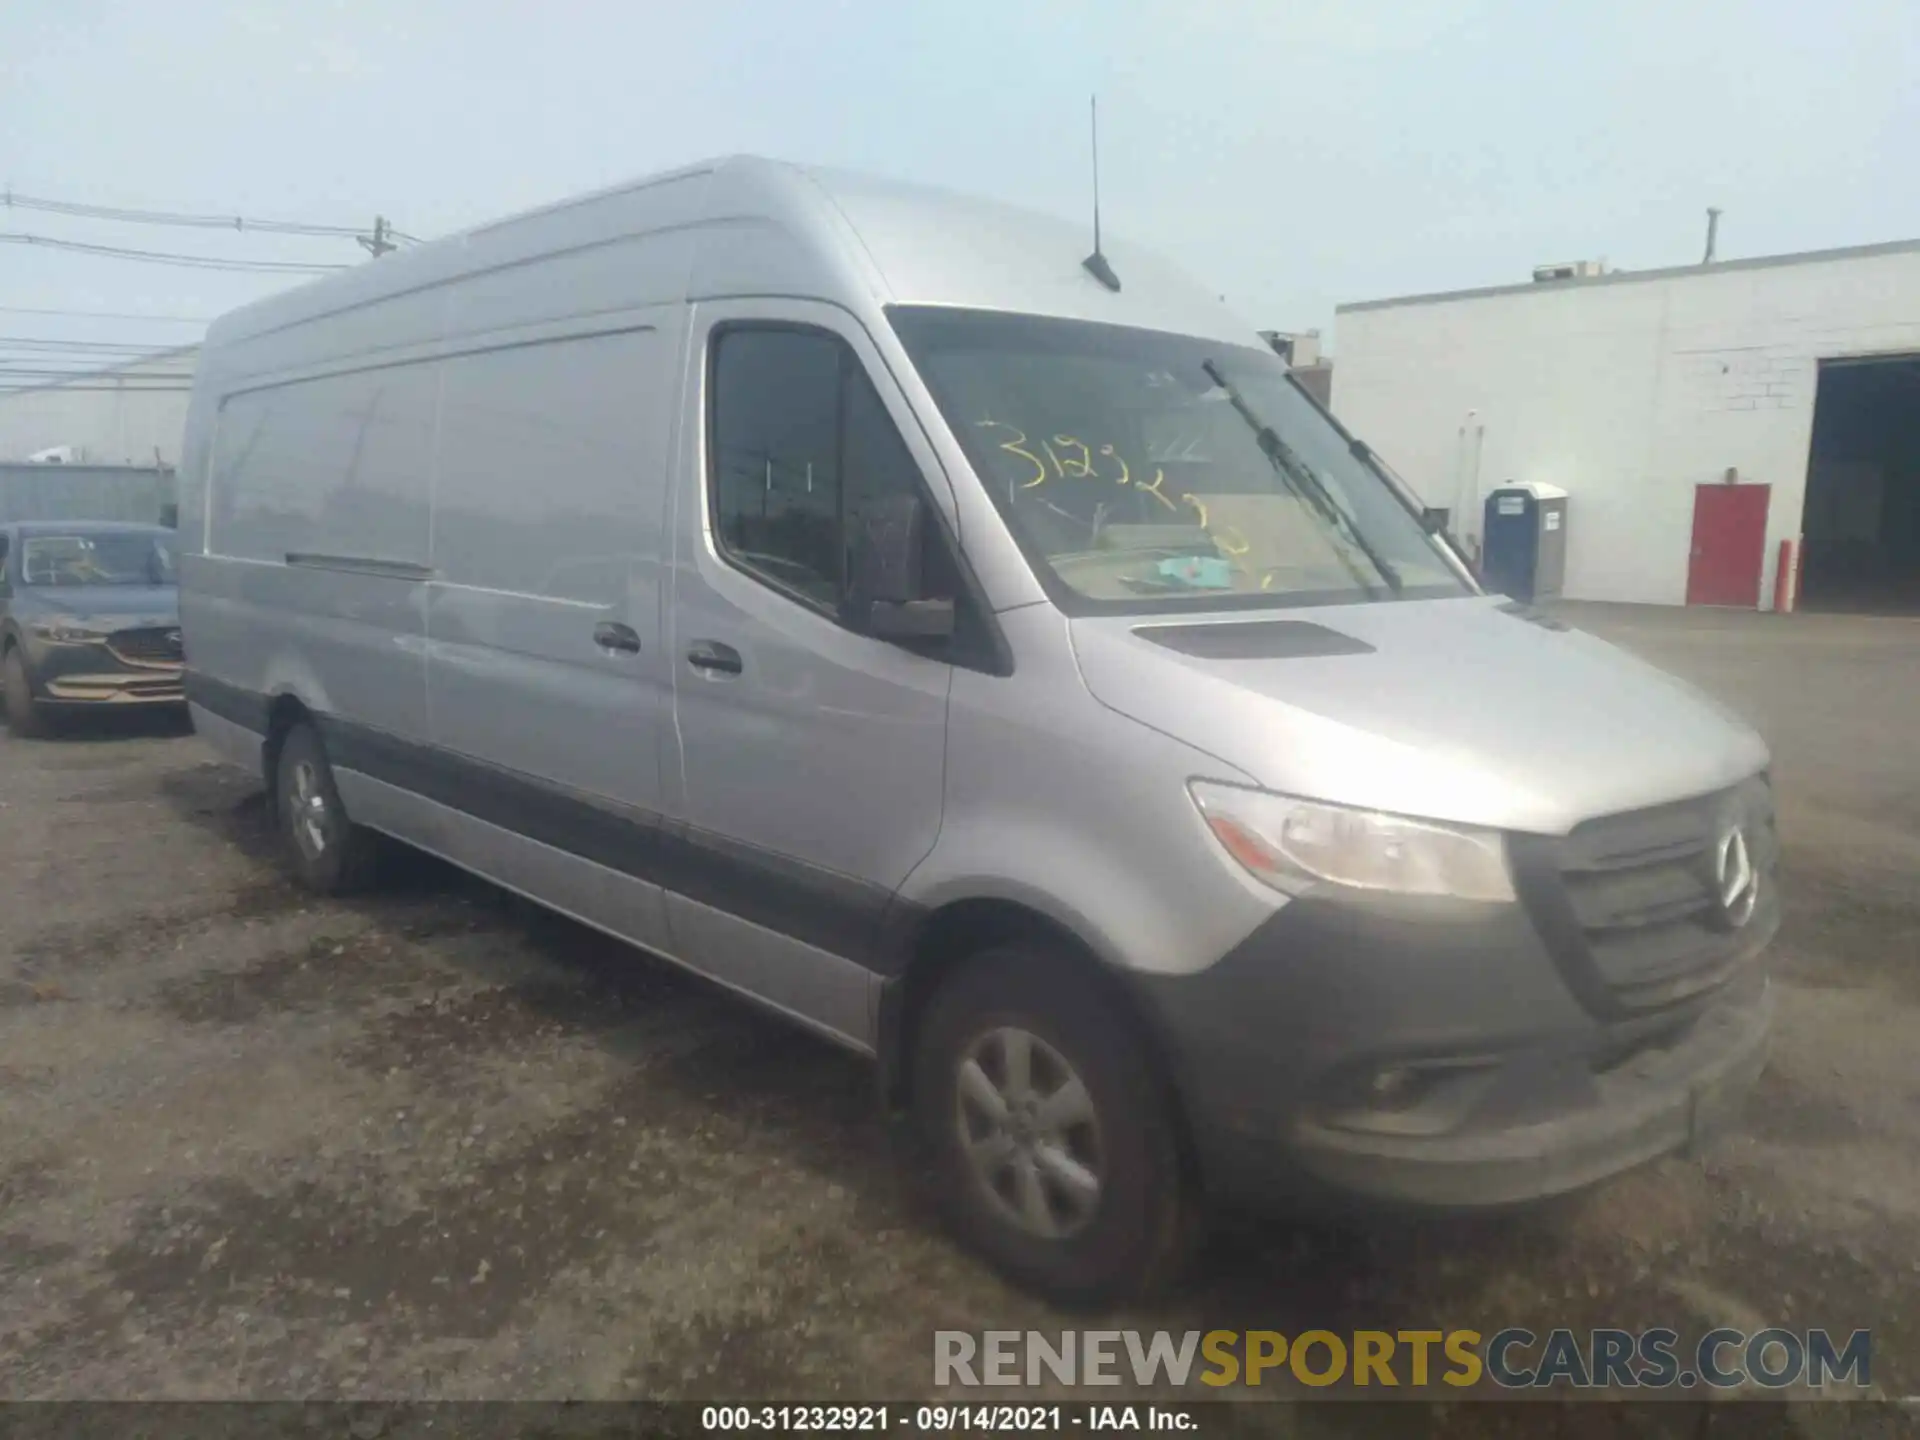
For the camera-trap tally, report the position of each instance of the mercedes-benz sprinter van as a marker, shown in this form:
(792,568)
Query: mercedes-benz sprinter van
(993,661)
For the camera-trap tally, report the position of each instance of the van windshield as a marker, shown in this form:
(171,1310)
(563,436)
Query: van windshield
(1145,472)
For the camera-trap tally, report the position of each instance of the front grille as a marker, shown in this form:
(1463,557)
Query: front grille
(149,645)
(1642,890)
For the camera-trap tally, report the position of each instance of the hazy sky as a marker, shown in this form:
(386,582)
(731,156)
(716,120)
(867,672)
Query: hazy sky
(1294,155)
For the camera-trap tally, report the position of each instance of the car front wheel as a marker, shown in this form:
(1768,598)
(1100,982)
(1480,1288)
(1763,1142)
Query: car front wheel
(1052,1138)
(25,715)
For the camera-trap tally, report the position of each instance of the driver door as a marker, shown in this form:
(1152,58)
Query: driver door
(811,756)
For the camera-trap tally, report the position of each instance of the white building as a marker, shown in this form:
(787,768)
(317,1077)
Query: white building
(128,415)
(1638,391)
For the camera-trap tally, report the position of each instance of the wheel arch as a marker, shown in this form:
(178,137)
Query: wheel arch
(935,945)
(284,711)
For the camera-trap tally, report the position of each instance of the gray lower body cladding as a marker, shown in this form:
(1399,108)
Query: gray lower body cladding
(839,914)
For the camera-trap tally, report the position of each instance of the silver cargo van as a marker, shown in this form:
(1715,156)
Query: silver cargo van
(996,663)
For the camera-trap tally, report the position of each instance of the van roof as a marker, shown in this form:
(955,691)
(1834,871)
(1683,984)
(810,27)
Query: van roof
(855,239)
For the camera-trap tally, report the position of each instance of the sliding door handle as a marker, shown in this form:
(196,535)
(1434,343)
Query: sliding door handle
(611,635)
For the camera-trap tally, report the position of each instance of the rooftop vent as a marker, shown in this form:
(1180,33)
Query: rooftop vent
(1298,348)
(1569,270)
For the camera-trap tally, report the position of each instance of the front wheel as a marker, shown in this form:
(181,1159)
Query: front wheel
(331,855)
(25,715)
(1052,1137)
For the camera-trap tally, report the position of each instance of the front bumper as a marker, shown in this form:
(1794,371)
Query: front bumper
(1432,1054)
(92,674)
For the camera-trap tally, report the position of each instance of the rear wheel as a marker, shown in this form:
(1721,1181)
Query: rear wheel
(330,854)
(25,714)
(1051,1135)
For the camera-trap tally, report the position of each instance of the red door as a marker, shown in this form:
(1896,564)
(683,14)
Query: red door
(1729,544)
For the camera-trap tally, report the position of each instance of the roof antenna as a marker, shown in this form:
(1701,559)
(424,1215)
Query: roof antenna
(1096,264)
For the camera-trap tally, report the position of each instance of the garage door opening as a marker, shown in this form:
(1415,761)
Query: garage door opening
(1861,531)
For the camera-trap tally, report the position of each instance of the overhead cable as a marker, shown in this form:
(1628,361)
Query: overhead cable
(160,257)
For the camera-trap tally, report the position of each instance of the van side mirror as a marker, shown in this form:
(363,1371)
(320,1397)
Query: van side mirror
(1433,519)
(889,546)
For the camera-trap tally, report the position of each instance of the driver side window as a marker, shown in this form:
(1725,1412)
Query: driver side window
(799,442)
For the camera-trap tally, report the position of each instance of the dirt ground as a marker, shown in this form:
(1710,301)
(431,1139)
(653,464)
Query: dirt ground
(437,1144)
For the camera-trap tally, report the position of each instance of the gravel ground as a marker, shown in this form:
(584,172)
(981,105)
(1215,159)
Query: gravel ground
(437,1144)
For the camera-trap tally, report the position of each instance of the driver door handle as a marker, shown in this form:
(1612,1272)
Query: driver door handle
(713,657)
(611,635)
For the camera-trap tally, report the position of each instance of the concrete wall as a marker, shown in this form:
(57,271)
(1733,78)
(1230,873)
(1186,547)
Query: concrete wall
(1628,390)
(119,417)
(1317,380)
(86,492)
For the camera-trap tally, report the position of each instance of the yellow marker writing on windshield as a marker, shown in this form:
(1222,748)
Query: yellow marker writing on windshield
(1018,446)
(1082,467)
(1229,546)
(1194,501)
(1126,475)
(1159,479)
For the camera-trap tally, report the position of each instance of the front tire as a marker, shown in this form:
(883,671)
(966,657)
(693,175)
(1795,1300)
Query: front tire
(1050,1131)
(330,854)
(26,716)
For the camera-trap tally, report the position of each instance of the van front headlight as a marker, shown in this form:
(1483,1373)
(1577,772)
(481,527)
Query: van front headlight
(1293,844)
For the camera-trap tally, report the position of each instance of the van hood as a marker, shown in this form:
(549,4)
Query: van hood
(1462,709)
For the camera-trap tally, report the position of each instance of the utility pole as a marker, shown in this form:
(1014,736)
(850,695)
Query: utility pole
(1713,234)
(377,244)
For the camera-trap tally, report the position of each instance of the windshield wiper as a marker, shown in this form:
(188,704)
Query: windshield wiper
(1301,478)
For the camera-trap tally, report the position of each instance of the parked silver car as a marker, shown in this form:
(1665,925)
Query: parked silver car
(995,663)
(89,616)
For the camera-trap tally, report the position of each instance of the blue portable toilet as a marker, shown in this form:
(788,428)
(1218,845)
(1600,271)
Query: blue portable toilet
(1523,551)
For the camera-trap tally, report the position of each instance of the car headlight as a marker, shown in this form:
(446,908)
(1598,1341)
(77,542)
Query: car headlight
(1292,844)
(64,630)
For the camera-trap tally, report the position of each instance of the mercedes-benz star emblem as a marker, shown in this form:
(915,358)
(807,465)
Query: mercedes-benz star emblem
(1736,885)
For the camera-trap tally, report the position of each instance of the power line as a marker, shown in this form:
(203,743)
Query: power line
(107,315)
(8,390)
(89,381)
(161,257)
(110,374)
(25,375)
(37,342)
(88,362)
(87,355)
(53,387)
(14,200)
(90,368)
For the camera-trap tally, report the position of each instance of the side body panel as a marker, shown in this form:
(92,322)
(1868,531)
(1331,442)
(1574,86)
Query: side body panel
(1057,803)
(315,574)
(544,624)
